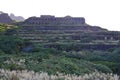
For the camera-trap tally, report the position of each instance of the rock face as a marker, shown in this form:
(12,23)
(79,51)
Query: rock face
(16,18)
(5,19)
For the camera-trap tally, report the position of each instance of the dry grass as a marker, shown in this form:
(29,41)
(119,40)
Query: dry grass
(31,75)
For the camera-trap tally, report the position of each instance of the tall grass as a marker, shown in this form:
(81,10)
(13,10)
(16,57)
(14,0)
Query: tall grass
(31,75)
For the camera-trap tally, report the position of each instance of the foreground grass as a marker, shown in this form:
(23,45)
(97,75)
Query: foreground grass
(31,75)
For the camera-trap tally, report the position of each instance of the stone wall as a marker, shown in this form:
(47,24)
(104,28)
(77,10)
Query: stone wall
(52,20)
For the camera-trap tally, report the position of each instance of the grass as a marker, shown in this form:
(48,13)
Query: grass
(31,75)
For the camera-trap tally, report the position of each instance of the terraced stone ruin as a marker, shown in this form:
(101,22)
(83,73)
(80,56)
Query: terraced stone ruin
(49,29)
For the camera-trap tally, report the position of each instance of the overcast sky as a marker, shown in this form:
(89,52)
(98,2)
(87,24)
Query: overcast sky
(104,13)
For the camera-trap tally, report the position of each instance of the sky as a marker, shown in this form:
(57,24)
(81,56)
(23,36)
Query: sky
(103,13)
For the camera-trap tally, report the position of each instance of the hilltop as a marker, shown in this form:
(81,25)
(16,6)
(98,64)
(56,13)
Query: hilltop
(49,22)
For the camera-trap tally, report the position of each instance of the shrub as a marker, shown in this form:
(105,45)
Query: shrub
(11,44)
(111,65)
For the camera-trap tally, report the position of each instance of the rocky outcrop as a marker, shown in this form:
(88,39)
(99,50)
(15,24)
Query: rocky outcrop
(5,19)
(16,18)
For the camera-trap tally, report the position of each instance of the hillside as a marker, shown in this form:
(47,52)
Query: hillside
(57,45)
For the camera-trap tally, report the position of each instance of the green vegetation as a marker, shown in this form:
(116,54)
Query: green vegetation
(64,57)
(47,60)
(110,59)
(4,27)
(11,44)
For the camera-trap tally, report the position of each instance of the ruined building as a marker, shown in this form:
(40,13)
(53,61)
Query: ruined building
(49,28)
(52,20)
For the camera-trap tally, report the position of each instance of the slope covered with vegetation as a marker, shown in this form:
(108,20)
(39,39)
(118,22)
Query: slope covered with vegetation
(19,54)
